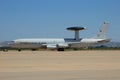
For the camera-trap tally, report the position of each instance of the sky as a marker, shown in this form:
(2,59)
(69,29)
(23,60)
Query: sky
(50,18)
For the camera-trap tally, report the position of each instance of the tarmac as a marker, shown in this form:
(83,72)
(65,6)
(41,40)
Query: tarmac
(54,65)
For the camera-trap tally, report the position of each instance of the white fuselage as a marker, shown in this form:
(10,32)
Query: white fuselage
(55,43)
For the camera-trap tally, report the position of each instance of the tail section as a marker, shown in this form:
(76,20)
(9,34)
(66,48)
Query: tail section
(103,31)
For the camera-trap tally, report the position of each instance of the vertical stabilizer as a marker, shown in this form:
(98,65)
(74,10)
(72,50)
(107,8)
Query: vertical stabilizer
(103,31)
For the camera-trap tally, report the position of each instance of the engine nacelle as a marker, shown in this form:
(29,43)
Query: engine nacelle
(55,46)
(62,45)
(51,46)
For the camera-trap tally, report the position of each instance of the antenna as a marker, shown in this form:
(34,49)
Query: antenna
(76,29)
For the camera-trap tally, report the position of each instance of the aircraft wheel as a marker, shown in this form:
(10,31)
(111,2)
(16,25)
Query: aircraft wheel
(5,50)
(19,50)
(60,49)
(33,49)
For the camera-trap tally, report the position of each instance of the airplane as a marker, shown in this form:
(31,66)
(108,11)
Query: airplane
(61,43)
